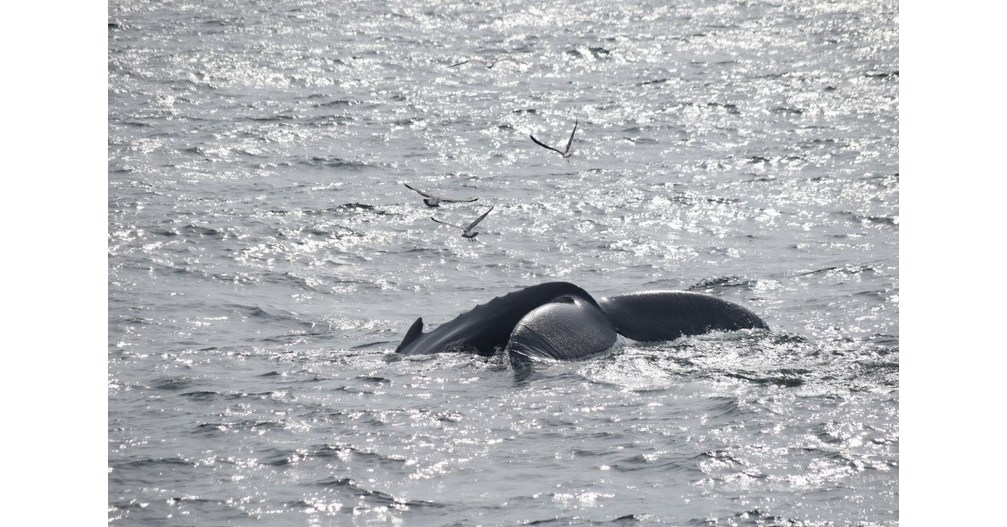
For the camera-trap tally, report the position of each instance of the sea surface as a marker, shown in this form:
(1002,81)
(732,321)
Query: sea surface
(265,259)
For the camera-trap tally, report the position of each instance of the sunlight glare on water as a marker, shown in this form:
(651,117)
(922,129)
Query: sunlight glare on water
(266,258)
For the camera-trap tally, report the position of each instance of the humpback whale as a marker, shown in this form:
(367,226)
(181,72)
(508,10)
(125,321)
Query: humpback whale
(488,326)
(569,328)
(652,316)
(561,321)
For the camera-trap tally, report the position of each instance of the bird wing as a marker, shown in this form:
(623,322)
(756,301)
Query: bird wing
(460,63)
(424,194)
(446,223)
(570,141)
(543,145)
(480,218)
(445,200)
(508,59)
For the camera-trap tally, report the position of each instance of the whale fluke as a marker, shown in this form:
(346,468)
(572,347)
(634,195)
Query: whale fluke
(569,328)
(561,321)
(652,316)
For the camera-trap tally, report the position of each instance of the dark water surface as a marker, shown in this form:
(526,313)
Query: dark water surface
(265,259)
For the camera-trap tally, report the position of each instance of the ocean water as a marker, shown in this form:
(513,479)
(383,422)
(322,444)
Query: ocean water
(265,259)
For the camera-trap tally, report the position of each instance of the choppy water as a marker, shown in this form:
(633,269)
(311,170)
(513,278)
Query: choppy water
(265,259)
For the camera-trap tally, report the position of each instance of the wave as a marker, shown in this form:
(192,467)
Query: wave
(723,282)
(173,383)
(153,462)
(652,82)
(786,381)
(335,162)
(375,496)
(849,270)
(866,219)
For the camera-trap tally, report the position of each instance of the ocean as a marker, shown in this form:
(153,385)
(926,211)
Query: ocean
(265,258)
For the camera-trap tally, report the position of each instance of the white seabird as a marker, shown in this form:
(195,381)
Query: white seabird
(565,153)
(433,200)
(468,232)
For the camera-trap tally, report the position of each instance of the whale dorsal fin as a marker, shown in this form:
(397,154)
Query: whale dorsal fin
(414,332)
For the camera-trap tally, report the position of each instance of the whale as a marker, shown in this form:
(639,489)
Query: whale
(569,328)
(653,316)
(560,321)
(487,327)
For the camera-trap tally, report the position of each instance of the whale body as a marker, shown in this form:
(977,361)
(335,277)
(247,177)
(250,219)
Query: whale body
(561,321)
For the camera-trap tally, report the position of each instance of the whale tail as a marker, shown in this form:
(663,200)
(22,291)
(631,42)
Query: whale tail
(414,332)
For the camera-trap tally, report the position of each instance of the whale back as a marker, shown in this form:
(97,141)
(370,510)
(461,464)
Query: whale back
(415,331)
(487,327)
(666,315)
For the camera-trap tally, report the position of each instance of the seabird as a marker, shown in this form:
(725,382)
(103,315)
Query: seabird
(433,200)
(489,63)
(468,232)
(565,153)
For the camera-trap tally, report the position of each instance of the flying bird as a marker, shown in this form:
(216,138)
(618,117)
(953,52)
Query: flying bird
(433,200)
(565,153)
(489,63)
(468,232)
